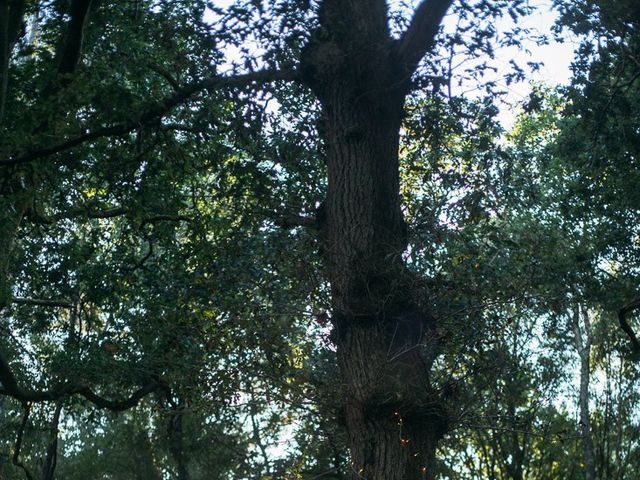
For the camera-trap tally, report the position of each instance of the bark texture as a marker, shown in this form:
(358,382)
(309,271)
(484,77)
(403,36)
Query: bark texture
(385,336)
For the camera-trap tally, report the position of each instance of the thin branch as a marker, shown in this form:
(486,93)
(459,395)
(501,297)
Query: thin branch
(155,112)
(561,435)
(113,212)
(140,263)
(42,302)
(108,213)
(70,143)
(167,218)
(292,221)
(164,73)
(51,456)
(331,471)
(419,37)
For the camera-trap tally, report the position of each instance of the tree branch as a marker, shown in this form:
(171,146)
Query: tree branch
(118,405)
(627,308)
(419,37)
(108,213)
(71,46)
(292,220)
(87,212)
(11,18)
(11,388)
(164,73)
(43,302)
(166,218)
(156,112)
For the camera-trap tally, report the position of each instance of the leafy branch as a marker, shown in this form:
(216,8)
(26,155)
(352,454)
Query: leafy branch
(155,112)
(11,388)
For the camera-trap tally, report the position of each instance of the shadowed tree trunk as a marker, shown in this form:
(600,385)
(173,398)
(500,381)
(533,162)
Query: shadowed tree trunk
(51,456)
(384,333)
(176,440)
(11,13)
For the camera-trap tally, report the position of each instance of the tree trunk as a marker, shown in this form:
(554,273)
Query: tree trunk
(384,334)
(176,437)
(143,456)
(583,345)
(11,17)
(51,456)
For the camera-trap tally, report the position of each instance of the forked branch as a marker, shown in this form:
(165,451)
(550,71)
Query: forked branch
(419,37)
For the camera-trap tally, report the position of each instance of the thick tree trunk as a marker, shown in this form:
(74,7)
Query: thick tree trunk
(393,421)
(384,334)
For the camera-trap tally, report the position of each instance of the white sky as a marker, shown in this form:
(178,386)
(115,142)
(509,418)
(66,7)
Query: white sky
(556,56)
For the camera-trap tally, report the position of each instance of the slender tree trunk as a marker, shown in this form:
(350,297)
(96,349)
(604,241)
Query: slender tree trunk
(583,345)
(4,53)
(176,440)
(385,337)
(11,13)
(51,456)
(145,461)
(12,205)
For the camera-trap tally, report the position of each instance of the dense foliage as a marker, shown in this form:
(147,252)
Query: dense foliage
(165,305)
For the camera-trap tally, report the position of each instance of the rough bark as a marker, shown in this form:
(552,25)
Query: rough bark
(385,336)
(583,345)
